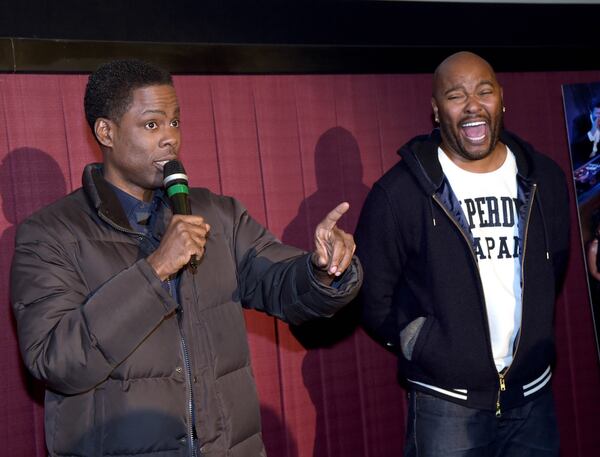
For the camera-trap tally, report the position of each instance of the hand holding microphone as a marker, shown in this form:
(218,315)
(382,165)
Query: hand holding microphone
(185,238)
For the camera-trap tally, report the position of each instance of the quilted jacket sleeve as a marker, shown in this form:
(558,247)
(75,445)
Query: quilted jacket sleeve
(72,337)
(278,279)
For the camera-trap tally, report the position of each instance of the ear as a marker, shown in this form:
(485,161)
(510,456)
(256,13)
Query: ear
(435,109)
(104,131)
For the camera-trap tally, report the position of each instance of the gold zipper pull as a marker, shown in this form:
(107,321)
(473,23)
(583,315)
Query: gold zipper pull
(502,389)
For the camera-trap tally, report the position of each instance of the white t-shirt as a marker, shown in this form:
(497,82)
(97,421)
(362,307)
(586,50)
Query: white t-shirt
(489,203)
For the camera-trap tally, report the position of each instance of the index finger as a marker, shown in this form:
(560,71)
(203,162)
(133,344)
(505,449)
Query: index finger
(190,218)
(334,215)
(194,220)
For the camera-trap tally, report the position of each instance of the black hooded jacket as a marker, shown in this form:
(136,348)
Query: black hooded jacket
(422,295)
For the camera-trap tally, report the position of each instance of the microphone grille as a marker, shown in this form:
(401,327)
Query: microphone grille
(173,167)
(174,173)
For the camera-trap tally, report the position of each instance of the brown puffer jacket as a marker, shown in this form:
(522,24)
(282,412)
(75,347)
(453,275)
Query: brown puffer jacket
(112,346)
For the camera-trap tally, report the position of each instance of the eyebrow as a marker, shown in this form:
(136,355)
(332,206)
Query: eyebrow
(159,111)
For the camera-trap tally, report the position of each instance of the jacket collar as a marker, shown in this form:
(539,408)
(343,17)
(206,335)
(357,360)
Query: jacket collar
(102,197)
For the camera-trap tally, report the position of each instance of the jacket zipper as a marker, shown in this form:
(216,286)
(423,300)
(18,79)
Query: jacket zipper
(502,388)
(502,375)
(188,382)
(186,357)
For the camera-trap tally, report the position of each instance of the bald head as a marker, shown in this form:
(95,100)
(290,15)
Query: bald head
(461,62)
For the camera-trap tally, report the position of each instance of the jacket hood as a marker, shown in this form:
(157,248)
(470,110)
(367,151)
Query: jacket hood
(420,156)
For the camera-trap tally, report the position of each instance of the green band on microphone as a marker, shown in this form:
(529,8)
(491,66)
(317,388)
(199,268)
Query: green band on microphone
(177,189)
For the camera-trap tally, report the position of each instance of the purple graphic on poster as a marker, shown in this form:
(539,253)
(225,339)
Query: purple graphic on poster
(582,115)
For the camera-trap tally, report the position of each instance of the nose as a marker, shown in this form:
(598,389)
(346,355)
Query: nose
(472,105)
(170,139)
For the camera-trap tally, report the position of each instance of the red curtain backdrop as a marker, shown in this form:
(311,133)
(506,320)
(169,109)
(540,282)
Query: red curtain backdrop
(290,148)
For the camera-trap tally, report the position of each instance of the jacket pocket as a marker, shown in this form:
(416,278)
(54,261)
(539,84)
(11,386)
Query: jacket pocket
(413,335)
(74,429)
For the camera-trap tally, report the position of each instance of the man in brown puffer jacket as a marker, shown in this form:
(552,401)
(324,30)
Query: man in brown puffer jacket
(140,355)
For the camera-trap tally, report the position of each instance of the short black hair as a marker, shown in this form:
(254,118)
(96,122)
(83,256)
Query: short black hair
(109,90)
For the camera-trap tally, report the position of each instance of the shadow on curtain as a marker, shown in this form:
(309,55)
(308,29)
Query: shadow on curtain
(29,180)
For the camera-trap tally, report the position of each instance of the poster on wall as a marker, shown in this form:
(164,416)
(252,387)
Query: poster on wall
(582,114)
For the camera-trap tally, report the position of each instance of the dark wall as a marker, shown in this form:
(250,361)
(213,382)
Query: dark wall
(367,36)
(304,22)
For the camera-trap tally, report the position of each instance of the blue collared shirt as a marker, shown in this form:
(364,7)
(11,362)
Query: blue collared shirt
(143,218)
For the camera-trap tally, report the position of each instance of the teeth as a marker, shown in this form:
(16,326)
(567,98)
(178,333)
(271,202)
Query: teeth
(473,124)
(162,163)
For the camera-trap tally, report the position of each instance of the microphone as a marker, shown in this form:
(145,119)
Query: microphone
(176,184)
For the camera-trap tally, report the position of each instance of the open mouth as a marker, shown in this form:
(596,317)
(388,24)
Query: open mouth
(475,131)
